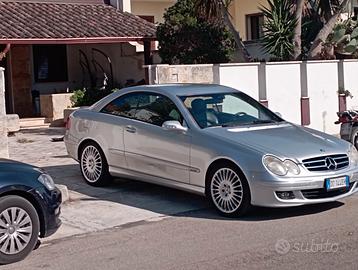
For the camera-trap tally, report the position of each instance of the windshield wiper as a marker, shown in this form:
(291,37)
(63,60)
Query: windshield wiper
(262,121)
(248,123)
(230,124)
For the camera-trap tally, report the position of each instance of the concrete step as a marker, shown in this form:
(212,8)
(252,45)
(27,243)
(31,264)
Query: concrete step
(35,122)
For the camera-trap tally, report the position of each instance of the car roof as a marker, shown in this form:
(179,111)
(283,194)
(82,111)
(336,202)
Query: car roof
(189,89)
(172,90)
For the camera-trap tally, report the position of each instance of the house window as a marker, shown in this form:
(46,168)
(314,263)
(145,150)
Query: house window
(50,63)
(147,18)
(254,26)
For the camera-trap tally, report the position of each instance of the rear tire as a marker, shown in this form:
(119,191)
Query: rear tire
(94,166)
(19,228)
(228,190)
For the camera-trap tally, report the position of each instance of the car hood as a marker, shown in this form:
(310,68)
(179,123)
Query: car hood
(284,140)
(7,165)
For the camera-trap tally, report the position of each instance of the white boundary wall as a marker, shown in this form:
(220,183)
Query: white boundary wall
(283,90)
(241,76)
(322,78)
(282,84)
(351,82)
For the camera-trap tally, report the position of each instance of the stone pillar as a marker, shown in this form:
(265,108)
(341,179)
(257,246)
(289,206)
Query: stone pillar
(4,150)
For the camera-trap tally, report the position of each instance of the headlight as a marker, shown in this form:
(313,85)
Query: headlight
(279,167)
(291,167)
(47,181)
(353,156)
(275,165)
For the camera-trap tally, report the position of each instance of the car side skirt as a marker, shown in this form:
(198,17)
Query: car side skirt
(129,174)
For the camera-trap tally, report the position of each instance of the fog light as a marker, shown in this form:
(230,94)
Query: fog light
(285,195)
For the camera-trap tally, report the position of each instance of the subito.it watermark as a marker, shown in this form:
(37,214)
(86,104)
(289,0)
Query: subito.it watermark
(283,246)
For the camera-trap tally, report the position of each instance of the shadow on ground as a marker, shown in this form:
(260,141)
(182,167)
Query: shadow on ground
(168,201)
(54,131)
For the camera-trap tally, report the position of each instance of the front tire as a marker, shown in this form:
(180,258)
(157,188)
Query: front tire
(228,190)
(94,166)
(19,228)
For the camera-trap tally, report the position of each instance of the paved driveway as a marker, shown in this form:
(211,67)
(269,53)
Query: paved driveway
(93,209)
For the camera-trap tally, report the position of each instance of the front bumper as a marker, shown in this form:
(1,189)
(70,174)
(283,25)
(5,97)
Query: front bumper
(306,190)
(49,203)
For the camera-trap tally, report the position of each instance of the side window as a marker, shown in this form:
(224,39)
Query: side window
(126,105)
(146,107)
(158,110)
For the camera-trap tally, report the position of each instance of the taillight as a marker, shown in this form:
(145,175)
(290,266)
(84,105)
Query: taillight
(68,123)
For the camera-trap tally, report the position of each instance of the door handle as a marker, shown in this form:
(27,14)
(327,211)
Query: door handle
(131,129)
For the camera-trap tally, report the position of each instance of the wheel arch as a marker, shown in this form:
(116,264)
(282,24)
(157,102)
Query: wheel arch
(30,198)
(216,164)
(83,143)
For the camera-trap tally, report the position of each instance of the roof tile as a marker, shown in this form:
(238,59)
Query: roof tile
(34,20)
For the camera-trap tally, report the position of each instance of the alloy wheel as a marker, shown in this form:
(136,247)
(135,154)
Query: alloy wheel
(91,163)
(226,190)
(15,230)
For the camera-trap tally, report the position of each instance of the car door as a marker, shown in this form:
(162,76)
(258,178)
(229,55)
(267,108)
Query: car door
(115,116)
(149,148)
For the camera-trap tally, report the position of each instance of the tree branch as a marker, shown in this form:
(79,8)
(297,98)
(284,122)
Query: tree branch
(321,37)
(297,49)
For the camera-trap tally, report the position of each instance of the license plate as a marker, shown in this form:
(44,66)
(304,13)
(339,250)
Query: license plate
(338,182)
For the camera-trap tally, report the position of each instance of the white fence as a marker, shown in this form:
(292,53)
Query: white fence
(281,84)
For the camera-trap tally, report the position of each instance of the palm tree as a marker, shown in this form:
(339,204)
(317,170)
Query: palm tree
(329,12)
(297,40)
(279,29)
(217,11)
(331,19)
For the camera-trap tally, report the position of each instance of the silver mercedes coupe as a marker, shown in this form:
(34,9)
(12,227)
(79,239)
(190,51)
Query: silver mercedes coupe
(211,140)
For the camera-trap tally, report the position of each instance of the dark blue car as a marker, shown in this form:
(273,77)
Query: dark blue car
(30,206)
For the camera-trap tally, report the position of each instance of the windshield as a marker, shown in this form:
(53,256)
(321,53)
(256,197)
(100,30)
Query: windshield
(231,109)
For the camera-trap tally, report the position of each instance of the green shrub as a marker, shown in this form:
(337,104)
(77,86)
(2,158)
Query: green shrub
(87,97)
(77,98)
(185,39)
(279,29)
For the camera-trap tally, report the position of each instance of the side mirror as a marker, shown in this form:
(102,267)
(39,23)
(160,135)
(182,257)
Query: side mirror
(278,114)
(174,126)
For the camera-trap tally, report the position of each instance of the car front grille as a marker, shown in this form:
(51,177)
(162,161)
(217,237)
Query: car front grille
(326,163)
(322,193)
